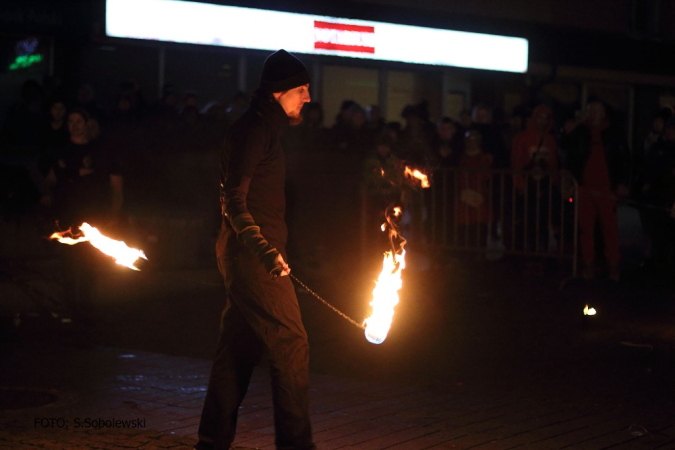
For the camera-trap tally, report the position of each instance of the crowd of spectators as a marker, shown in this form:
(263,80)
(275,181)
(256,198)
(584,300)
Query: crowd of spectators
(40,153)
(541,148)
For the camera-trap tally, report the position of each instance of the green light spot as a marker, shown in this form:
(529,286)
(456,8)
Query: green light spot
(23,61)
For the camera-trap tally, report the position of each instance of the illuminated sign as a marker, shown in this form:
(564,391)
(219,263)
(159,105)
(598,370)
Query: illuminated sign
(229,26)
(23,61)
(26,54)
(26,46)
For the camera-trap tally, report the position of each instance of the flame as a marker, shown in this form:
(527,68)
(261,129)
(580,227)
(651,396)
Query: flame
(589,311)
(123,255)
(385,297)
(414,173)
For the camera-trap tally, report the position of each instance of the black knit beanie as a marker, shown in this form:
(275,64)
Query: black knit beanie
(283,71)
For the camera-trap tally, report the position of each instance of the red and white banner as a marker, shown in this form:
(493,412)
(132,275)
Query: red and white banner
(344,37)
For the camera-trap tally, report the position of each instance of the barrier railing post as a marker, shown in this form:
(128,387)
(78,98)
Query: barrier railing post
(364,224)
(526,206)
(549,221)
(501,206)
(491,209)
(562,213)
(537,223)
(514,212)
(455,200)
(575,253)
(432,215)
(445,208)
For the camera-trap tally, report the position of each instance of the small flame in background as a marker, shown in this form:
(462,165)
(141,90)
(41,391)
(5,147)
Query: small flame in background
(123,254)
(414,173)
(589,311)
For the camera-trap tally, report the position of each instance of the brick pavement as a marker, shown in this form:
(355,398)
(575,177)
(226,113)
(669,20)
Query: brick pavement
(165,392)
(497,362)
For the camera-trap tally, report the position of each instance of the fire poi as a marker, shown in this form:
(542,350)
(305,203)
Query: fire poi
(389,282)
(387,286)
(121,252)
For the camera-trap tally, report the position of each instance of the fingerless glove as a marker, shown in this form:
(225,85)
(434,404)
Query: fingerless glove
(249,233)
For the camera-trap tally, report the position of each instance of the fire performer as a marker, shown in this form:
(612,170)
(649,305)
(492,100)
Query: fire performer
(261,311)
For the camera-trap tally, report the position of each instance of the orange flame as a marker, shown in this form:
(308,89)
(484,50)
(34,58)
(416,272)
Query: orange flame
(123,255)
(414,173)
(385,297)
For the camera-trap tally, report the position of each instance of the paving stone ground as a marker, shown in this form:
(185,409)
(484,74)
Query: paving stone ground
(481,356)
(163,395)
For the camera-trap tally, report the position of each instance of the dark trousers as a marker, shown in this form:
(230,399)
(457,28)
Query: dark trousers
(472,235)
(663,244)
(80,263)
(260,315)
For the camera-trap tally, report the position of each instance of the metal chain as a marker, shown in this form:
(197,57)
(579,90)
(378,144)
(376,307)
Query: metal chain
(344,316)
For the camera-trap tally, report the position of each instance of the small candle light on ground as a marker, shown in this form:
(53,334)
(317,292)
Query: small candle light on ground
(589,311)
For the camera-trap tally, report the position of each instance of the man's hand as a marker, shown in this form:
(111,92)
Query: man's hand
(46,201)
(622,191)
(281,269)
(537,173)
(471,197)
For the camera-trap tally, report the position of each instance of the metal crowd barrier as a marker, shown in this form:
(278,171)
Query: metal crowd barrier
(504,212)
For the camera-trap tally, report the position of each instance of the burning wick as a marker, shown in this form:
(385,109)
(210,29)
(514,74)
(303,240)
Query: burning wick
(414,173)
(385,294)
(385,297)
(589,311)
(123,255)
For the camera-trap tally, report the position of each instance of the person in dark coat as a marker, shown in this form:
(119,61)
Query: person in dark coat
(84,184)
(261,313)
(658,194)
(54,135)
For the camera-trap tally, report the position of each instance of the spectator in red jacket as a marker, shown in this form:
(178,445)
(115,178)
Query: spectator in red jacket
(535,148)
(598,159)
(534,152)
(473,208)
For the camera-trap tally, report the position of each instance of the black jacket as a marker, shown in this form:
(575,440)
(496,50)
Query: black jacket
(253,172)
(659,175)
(577,149)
